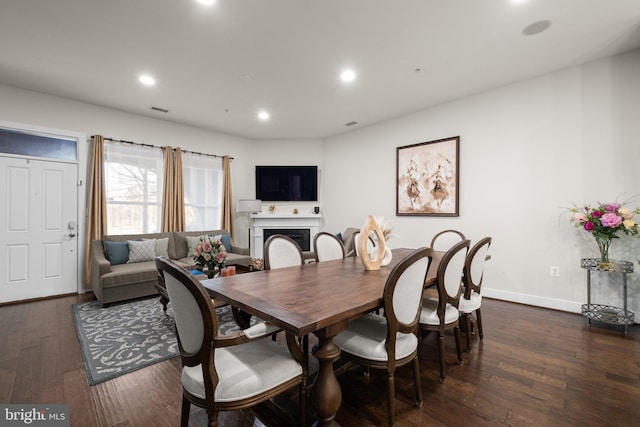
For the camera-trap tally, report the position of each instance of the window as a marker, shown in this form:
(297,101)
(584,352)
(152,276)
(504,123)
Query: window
(202,176)
(133,184)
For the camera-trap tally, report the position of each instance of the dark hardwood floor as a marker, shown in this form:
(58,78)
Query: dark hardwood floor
(534,367)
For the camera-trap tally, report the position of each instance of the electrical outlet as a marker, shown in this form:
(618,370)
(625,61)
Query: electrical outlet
(555,271)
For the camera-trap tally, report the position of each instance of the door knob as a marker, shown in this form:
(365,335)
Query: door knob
(72,235)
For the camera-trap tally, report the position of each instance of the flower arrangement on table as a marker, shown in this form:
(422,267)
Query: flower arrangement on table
(210,256)
(604,221)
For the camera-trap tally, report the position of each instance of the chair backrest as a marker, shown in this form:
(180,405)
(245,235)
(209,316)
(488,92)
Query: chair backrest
(327,247)
(444,240)
(449,277)
(356,243)
(403,292)
(193,311)
(474,266)
(281,251)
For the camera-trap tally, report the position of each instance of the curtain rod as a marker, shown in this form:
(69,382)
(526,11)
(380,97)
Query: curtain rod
(155,146)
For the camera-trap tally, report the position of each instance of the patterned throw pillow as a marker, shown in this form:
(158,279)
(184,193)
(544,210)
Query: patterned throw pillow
(162,246)
(141,250)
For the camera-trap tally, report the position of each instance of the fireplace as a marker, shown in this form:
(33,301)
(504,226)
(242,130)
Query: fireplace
(300,227)
(302,236)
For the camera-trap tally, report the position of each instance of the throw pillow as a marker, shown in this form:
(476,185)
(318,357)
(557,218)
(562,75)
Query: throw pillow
(162,246)
(141,250)
(225,239)
(117,252)
(192,242)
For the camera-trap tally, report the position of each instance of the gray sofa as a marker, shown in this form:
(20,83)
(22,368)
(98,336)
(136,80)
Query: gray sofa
(125,280)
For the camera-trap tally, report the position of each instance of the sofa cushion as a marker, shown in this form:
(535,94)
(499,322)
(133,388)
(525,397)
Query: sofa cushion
(192,243)
(130,274)
(162,246)
(141,250)
(117,252)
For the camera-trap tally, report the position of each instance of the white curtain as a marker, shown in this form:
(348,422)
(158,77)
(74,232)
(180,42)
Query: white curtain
(203,188)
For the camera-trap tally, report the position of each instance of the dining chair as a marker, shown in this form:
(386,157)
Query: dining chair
(228,372)
(281,251)
(438,315)
(390,341)
(327,247)
(356,243)
(444,240)
(471,300)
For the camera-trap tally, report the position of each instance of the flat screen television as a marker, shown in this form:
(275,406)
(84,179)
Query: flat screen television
(287,183)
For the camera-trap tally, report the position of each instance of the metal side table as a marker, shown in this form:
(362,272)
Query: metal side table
(606,313)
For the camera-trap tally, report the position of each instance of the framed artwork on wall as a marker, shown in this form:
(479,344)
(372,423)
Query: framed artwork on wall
(428,178)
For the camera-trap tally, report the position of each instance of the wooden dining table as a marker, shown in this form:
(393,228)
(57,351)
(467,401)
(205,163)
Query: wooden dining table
(318,298)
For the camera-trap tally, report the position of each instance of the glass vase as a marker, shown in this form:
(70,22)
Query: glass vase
(604,242)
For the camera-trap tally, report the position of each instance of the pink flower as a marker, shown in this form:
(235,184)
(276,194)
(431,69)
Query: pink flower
(611,220)
(198,250)
(220,257)
(206,246)
(612,207)
(596,214)
(588,226)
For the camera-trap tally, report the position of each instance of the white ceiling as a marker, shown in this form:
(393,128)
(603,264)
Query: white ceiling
(217,66)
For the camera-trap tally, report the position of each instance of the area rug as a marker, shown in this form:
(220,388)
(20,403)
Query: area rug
(125,337)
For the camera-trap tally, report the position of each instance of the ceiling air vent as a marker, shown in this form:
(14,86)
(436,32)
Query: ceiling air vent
(162,110)
(351,123)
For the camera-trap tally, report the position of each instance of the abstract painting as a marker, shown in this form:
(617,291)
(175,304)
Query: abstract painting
(428,178)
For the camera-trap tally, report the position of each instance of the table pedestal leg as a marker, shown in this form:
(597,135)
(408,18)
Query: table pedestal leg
(326,395)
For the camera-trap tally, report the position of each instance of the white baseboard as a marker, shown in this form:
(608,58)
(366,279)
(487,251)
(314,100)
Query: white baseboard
(555,304)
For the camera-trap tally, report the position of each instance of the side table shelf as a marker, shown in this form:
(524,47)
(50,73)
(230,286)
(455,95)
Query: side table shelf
(606,313)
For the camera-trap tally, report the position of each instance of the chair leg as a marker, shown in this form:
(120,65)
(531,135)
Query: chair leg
(416,381)
(441,355)
(456,332)
(391,399)
(184,415)
(467,322)
(479,321)
(303,404)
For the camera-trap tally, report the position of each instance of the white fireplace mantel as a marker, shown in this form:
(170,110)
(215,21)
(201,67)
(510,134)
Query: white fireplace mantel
(260,221)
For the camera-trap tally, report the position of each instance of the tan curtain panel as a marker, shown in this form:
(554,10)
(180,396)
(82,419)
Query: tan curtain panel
(173,218)
(97,204)
(227,211)
(168,198)
(180,223)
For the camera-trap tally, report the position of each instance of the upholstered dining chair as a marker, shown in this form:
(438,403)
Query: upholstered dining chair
(356,243)
(389,341)
(444,240)
(230,372)
(281,251)
(327,247)
(441,314)
(471,301)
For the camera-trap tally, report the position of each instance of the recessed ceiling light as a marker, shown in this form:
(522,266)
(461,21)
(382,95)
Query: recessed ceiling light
(347,76)
(147,80)
(263,115)
(536,28)
(206,2)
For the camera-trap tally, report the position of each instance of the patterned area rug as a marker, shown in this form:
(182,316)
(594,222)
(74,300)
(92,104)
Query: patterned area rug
(129,336)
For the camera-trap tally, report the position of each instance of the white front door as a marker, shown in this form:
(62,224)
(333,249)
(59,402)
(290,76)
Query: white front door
(38,228)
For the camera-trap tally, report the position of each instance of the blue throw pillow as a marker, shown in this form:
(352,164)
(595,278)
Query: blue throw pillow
(117,252)
(226,241)
(339,236)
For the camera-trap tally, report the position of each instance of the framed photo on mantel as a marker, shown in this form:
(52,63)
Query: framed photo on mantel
(428,178)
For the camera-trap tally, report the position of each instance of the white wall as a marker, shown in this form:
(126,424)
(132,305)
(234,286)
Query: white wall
(527,150)
(35,109)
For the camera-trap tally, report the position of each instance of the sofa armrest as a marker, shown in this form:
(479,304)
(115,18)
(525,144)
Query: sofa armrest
(100,265)
(239,250)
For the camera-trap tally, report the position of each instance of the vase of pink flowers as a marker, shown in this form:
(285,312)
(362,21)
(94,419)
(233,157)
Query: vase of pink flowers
(210,256)
(605,221)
